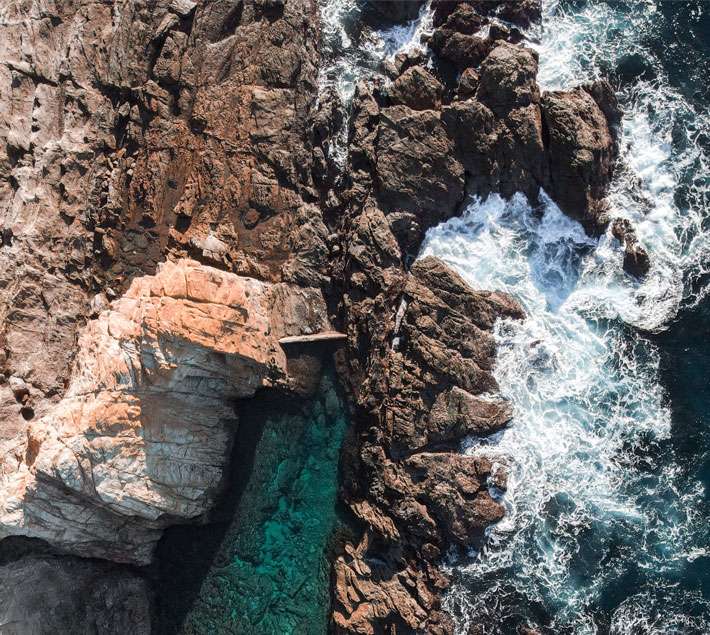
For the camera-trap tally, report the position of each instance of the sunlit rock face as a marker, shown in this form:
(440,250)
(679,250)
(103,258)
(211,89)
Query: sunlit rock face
(266,568)
(142,435)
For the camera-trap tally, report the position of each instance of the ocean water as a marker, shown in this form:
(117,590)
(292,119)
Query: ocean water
(262,565)
(354,52)
(608,524)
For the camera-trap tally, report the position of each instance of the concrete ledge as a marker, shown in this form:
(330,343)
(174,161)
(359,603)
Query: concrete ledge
(325,336)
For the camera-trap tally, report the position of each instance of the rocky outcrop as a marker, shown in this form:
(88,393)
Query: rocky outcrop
(636,259)
(420,348)
(509,137)
(135,131)
(582,150)
(170,209)
(498,131)
(417,88)
(141,438)
(46,594)
(414,493)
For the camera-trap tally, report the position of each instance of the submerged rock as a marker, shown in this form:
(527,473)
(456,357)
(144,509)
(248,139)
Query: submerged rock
(391,11)
(636,259)
(270,571)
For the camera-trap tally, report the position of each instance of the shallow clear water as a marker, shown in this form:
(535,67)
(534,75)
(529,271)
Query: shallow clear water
(607,528)
(270,572)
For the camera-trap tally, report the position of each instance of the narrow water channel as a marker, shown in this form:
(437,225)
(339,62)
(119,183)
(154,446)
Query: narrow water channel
(263,565)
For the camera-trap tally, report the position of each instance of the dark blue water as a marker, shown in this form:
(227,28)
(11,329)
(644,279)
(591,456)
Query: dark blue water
(608,526)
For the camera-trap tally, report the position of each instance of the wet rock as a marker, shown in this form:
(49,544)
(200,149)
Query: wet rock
(404,60)
(603,94)
(636,259)
(581,151)
(504,155)
(454,491)
(423,390)
(406,229)
(461,49)
(458,16)
(417,88)
(523,13)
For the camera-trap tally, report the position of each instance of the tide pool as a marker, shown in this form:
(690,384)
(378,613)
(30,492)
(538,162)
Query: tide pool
(269,566)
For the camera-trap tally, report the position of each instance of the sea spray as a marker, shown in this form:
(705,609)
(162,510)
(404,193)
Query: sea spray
(354,52)
(663,179)
(585,398)
(604,527)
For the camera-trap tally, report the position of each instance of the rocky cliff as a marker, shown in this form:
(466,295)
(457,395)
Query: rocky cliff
(171,207)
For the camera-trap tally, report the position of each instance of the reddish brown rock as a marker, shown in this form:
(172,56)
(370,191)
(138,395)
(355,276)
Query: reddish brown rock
(582,151)
(426,368)
(174,129)
(417,88)
(508,79)
(416,169)
(468,83)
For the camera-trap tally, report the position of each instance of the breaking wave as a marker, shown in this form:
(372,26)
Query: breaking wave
(604,530)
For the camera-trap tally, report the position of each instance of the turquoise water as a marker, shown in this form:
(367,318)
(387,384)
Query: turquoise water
(269,572)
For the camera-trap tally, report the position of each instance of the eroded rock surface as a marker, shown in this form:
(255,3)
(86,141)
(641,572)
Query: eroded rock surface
(132,131)
(141,437)
(190,134)
(46,594)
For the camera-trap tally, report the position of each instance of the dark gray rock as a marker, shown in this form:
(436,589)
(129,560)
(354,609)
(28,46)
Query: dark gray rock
(48,595)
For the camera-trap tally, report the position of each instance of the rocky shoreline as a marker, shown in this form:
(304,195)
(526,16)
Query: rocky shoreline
(171,208)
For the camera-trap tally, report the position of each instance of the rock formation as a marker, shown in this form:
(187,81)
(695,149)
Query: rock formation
(141,436)
(170,207)
(46,594)
(430,386)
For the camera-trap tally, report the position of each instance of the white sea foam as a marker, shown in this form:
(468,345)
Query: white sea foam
(585,483)
(349,61)
(586,397)
(352,54)
(590,499)
(576,46)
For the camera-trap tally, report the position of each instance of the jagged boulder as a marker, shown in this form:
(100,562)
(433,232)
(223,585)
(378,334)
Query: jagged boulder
(508,79)
(581,150)
(418,89)
(636,258)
